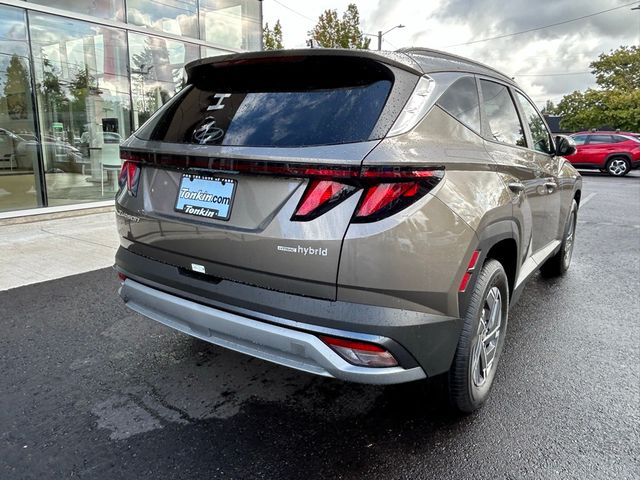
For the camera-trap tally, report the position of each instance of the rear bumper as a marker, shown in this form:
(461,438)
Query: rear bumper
(285,346)
(282,327)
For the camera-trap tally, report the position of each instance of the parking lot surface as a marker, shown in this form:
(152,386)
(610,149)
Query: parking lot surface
(91,390)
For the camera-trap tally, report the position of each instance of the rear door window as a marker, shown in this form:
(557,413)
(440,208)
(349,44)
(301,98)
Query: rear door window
(461,101)
(599,139)
(501,113)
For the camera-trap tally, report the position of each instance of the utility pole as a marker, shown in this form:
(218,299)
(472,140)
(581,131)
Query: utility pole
(381,34)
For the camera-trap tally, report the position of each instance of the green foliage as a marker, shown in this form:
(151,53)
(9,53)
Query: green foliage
(16,89)
(619,69)
(616,103)
(272,39)
(549,108)
(333,32)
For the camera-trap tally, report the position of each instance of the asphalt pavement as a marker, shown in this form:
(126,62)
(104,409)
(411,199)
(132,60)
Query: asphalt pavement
(91,390)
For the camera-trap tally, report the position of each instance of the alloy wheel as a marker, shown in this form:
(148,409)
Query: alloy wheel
(568,242)
(617,167)
(488,334)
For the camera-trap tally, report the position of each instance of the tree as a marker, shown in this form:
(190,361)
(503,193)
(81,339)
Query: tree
(619,69)
(616,103)
(549,108)
(272,39)
(332,32)
(16,89)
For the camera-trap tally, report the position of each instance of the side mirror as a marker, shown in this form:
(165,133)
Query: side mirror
(565,145)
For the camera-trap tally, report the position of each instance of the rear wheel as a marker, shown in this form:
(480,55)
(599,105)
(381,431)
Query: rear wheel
(618,166)
(481,341)
(560,262)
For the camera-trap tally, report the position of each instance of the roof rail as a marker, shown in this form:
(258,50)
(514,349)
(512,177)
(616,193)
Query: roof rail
(446,55)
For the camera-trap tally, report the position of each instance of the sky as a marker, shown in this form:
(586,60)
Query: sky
(547,63)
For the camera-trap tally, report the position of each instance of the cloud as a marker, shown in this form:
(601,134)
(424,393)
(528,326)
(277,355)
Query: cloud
(440,24)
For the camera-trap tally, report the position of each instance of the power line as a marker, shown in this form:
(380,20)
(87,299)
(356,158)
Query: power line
(542,27)
(294,11)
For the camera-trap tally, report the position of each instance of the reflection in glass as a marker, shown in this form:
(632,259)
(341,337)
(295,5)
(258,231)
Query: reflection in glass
(179,17)
(231,23)
(502,114)
(18,143)
(539,133)
(110,9)
(83,92)
(157,72)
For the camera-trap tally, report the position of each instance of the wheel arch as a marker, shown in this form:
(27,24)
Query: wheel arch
(498,241)
(625,155)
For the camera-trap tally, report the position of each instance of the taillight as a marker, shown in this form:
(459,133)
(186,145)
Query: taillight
(361,353)
(130,176)
(320,197)
(385,199)
(386,191)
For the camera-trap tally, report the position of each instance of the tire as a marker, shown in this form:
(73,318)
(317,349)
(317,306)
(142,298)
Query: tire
(558,265)
(481,341)
(618,166)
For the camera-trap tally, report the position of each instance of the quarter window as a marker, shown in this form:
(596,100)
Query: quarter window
(461,101)
(501,113)
(539,132)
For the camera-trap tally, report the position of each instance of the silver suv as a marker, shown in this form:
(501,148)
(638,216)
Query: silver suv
(364,216)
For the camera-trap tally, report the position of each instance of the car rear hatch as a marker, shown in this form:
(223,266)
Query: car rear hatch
(227,178)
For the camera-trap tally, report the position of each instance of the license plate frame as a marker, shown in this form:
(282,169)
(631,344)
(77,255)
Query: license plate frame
(206,196)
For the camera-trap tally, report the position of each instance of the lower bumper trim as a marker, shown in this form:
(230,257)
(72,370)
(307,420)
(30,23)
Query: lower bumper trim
(285,346)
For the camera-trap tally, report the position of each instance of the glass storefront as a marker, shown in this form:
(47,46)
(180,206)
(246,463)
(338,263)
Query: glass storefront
(72,90)
(18,145)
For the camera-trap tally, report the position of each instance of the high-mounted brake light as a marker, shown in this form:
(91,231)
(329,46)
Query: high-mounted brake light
(361,353)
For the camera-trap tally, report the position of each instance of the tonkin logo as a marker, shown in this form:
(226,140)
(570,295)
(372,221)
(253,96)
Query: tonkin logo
(321,252)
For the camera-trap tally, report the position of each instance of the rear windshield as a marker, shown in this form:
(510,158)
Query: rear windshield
(299,102)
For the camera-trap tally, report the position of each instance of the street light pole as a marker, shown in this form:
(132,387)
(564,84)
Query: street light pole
(381,34)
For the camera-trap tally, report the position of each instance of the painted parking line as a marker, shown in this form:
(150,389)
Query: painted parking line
(586,200)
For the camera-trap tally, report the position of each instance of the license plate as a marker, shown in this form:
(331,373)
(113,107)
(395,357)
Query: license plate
(209,197)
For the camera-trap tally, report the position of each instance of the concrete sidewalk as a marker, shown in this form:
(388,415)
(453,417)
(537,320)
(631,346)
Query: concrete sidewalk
(48,249)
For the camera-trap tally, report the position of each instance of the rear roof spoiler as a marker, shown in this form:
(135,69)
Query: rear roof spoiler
(395,59)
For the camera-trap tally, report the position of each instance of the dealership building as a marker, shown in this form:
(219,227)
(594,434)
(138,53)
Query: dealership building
(78,77)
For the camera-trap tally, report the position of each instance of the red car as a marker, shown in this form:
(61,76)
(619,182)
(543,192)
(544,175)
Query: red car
(616,153)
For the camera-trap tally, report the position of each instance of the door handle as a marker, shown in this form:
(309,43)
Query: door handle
(551,186)
(516,187)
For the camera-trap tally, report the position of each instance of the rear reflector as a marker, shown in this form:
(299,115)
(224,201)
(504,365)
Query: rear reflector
(122,276)
(360,353)
(470,268)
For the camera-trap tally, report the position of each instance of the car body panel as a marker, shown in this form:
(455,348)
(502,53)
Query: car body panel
(597,155)
(398,277)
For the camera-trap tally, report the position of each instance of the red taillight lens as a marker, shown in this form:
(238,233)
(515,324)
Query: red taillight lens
(361,353)
(130,176)
(321,196)
(385,199)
